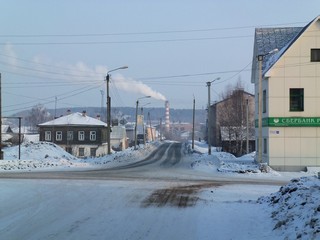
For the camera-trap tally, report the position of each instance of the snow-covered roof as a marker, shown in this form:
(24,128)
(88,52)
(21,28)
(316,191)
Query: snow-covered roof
(268,39)
(74,119)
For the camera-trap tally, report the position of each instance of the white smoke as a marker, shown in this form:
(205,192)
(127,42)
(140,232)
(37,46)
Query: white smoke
(45,68)
(131,85)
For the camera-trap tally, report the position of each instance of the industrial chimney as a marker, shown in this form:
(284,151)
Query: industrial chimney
(167,123)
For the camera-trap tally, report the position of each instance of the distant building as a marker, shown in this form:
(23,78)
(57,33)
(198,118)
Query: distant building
(229,123)
(291,95)
(77,133)
(118,138)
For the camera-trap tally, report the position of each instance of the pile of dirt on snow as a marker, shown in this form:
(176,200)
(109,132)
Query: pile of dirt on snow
(295,208)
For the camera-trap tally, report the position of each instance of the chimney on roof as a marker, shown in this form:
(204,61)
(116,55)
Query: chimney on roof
(68,111)
(98,117)
(84,113)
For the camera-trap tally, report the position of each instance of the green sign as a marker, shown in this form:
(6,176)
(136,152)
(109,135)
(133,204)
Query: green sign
(290,122)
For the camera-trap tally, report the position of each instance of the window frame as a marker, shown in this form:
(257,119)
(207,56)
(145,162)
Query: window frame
(81,152)
(59,136)
(47,135)
(93,135)
(81,136)
(315,54)
(296,100)
(93,152)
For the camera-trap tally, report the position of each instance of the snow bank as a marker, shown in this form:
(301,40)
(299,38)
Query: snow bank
(295,209)
(49,156)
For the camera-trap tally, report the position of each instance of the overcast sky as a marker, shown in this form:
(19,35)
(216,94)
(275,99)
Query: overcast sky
(62,49)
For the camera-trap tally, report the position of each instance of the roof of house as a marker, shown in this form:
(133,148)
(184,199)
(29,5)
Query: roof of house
(268,39)
(74,119)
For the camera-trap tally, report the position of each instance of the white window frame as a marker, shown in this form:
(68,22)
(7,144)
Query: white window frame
(93,135)
(47,135)
(81,136)
(58,135)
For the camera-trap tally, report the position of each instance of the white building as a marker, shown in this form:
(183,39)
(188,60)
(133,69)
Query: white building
(291,95)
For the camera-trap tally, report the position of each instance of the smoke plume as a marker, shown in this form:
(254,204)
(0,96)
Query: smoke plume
(131,85)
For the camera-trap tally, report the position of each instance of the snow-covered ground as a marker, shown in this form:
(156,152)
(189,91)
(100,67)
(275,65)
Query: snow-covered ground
(78,209)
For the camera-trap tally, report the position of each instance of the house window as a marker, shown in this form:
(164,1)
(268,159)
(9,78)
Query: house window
(265,147)
(264,101)
(315,55)
(70,135)
(47,135)
(93,152)
(58,136)
(296,99)
(81,135)
(81,152)
(93,135)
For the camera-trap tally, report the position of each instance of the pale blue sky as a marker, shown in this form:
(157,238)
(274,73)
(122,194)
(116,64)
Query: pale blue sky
(64,48)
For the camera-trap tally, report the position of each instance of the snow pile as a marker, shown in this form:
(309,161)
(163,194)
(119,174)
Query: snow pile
(35,156)
(222,161)
(295,209)
(49,156)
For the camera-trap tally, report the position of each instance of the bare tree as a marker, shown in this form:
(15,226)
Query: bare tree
(38,114)
(232,118)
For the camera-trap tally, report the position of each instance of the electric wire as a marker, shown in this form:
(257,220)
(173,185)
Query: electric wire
(145,32)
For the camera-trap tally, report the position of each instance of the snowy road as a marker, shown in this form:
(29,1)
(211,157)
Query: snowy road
(159,197)
(98,210)
(167,162)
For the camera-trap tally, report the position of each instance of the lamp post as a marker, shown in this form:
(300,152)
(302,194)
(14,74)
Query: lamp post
(109,106)
(260,59)
(136,125)
(209,115)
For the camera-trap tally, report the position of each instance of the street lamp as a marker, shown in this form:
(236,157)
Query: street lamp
(260,59)
(135,127)
(109,106)
(209,114)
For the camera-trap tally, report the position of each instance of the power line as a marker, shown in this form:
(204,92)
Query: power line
(144,32)
(126,42)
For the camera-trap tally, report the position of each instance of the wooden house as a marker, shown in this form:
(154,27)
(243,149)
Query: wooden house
(77,133)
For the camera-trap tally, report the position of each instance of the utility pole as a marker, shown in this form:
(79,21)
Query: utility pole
(209,119)
(136,126)
(109,107)
(193,119)
(209,115)
(108,114)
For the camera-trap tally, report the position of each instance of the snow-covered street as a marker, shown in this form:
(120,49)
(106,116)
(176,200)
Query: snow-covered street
(151,207)
(62,209)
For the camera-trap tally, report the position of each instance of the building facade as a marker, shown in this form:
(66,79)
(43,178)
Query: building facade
(77,133)
(230,119)
(290,95)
